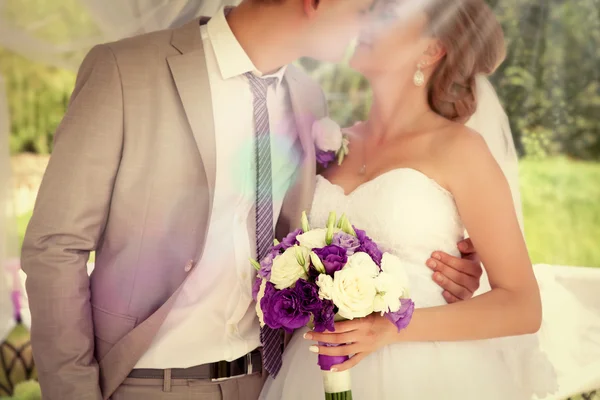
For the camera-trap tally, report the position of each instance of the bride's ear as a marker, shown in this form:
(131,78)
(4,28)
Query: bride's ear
(435,52)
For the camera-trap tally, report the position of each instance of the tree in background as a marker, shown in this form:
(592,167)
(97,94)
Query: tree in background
(549,83)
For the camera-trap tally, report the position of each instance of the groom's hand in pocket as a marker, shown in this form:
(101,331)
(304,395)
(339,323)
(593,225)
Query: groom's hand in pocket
(459,277)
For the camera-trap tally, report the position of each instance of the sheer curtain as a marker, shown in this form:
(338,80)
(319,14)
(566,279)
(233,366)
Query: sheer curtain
(60,33)
(8,236)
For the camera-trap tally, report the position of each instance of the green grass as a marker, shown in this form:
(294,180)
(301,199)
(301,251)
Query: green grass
(561,203)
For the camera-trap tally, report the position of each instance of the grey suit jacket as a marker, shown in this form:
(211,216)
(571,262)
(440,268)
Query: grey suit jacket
(131,176)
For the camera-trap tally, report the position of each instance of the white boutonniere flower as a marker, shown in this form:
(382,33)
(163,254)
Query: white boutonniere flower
(330,142)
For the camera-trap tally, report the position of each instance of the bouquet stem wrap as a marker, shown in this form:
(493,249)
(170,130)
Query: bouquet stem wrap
(337,385)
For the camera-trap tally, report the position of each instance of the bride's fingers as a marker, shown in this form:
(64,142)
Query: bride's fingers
(333,338)
(350,363)
(348,326)
(344,350)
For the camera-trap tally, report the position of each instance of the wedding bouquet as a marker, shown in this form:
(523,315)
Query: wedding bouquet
(318,276)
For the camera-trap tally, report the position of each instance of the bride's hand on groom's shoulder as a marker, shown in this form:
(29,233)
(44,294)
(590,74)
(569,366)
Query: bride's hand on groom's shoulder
(357,338)
(458,276)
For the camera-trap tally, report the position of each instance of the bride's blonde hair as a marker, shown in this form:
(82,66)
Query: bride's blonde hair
(474,43)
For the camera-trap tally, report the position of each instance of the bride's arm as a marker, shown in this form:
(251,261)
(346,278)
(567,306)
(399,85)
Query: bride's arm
(485,204)
(512,307)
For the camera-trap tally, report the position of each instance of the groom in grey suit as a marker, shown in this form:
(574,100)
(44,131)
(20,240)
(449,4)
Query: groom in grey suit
(155,168)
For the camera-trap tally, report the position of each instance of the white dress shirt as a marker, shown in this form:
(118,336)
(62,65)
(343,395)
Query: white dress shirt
(213,318)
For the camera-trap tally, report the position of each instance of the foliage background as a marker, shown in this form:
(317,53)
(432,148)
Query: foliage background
(549,85)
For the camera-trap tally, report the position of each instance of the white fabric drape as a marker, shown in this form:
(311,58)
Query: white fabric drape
(109,20)
(492,122)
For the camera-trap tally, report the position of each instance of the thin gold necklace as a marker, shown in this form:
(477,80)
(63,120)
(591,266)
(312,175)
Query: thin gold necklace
(363,169)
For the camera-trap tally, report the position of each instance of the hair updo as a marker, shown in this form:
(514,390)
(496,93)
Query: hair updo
(474,43)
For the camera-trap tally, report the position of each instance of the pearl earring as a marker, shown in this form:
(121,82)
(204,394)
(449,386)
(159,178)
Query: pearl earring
(419,78)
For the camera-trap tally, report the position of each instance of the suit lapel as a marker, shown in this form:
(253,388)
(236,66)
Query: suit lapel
(191,79)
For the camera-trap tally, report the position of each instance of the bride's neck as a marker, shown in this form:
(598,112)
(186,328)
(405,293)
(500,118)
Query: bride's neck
(397,108)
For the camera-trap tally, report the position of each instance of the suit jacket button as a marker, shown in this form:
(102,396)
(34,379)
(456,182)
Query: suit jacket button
(189,265)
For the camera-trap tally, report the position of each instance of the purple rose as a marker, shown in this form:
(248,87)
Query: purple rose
(324,317)
(283,309)
(333,257)
(288,241)
(309,295)
(266,264)
(346,241)
(325,157)
(402,317)
(256,287)
(269,292)
(368,246)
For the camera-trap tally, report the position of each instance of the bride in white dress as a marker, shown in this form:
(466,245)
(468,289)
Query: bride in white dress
(415,179)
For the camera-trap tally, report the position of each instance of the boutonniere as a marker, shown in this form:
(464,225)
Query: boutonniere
(330,142)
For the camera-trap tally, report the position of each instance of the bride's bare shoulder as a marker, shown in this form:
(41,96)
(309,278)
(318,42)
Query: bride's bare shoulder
(456,141)
(461,151)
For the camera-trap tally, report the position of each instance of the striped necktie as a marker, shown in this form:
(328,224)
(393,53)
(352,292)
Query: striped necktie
(271,339)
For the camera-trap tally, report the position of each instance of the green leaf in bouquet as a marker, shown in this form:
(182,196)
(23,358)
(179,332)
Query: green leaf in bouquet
(330,227)
(304,220)
(339,223)
(317,263)
(275,242)
(255,264)
(346,226)
(302,261)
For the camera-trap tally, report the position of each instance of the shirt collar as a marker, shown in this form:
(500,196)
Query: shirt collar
(231,57)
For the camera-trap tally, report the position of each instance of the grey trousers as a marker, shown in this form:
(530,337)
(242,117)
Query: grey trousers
(242,388)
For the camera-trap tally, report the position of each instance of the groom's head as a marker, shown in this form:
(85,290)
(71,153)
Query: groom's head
(320,29)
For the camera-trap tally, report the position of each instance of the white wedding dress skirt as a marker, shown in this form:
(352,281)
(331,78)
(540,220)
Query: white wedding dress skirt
(410,215)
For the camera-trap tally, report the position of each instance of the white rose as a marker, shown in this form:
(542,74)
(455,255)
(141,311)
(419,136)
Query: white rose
(325,284)
(391,284)
(392,265)
(286,268)
(259,296)
(364,263)
(327,135)
(314,239)
(388,293)
(353,293)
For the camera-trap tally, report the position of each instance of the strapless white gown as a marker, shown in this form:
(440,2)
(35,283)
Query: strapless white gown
(410,215)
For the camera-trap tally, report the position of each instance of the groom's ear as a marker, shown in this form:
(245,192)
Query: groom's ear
(310,7)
